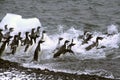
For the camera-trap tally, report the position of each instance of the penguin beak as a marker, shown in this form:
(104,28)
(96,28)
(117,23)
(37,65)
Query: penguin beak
(100,38)
(42,41)
(60,38)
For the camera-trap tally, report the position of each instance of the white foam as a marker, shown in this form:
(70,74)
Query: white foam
(112,29)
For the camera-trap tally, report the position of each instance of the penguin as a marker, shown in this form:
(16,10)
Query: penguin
(1,35)
(19,39)
(86,37)
(11,29)
(33,36)
(69,47)
(6,28)
(62,50)
(95,44)
(38,31)
(27,41)
(7,34)
(58,44)
(37,51)
(14,44)
(4,45)
(43,35)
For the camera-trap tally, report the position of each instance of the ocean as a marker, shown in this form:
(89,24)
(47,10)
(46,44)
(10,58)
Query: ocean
(69,19)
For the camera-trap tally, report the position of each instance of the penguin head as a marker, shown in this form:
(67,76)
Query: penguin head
(19,33)
(60,38)
(33,29)
(26,32)
(99,38)
(15,36)
(38,27)
(6,28)
(41,41)
(1,30)
(67,41)
(11,29)
(43,31)
(85,32)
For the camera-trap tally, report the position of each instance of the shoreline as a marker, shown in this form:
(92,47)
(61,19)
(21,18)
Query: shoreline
(7,65)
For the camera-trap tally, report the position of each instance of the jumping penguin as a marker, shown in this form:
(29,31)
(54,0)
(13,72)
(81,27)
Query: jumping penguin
(69,47)
(95,44)
(62,50)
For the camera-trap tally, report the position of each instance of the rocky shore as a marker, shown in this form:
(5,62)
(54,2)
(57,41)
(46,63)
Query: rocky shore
(6,65)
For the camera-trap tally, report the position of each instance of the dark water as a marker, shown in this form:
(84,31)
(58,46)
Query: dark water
(90,14)
(82,14)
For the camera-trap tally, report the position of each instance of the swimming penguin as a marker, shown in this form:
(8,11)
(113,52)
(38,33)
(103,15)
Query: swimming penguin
(62,50)
(87,36)
(69,47)
(58,44)
(37,51)
(4,45)
(1,35)
(95,44)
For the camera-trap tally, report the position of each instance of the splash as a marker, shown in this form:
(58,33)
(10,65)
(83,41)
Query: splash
(20,24)
(112,29)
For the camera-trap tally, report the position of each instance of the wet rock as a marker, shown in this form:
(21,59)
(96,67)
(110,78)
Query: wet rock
(44,74)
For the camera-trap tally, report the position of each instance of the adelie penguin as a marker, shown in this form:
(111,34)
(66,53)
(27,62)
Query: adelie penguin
(6,28)
(4,45)
(37,51)
(19,39)
(14,44)
(58,44)
(33,36)
(1,35)
(69,47)
(43,35)
(62,50)
(38,31)
(86,37)
(8,34)
(27,41)
(95,44)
